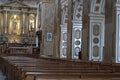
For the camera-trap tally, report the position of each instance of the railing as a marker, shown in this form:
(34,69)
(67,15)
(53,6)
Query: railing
(3,48)
(18,50)
(19,45)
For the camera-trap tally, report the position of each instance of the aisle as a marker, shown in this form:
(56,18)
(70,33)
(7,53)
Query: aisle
(2,77)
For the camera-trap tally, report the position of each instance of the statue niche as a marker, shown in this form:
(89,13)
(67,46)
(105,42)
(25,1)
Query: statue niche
(14,25)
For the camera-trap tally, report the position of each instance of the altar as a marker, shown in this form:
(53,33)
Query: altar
(16,18)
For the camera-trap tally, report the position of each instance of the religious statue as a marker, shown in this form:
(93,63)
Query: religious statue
(14,26)
(31,26)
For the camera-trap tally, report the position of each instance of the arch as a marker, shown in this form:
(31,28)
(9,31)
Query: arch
(97,6)
(31,21)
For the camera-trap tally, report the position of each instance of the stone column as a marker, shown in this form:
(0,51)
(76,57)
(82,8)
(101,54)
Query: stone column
(27,24)
(6,14)
(4,22)
(57,29)
(21,22)
(69,29)
(85,30)
(10,14)
(35,22)
(0,24)
(37,17)
(24,22)
(116,33)
(109,27)
(0,27)
(47,25)
(8,22)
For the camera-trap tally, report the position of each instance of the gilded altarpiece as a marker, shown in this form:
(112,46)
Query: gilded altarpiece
(18,22)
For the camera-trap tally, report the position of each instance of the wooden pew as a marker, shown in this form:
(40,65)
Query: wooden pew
(30,67)
(25,68)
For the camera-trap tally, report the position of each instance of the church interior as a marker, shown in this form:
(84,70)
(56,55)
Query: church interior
(59,39)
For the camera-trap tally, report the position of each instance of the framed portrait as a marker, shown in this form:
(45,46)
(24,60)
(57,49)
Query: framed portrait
(49,36)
